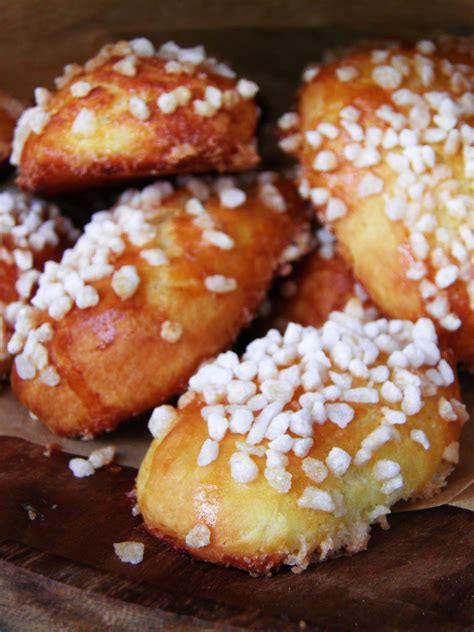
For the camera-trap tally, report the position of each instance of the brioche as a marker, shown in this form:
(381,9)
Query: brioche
(292,452)
(161,282)
(133,112)
(32,232)
(386,141)
(320,283)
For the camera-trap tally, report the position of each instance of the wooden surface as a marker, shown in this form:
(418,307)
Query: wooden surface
(59,571)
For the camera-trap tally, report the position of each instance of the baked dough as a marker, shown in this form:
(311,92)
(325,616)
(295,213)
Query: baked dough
(292,452)
(321,283)
(386,141)
(10,110)
(162,281)
(130,113)
(32,232)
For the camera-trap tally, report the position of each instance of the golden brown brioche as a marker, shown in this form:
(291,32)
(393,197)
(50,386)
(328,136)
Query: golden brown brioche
(386,138)
(321,283)
(10,110)
(162,281)
(131,113)
(295,450)
(455,47)
(31,232)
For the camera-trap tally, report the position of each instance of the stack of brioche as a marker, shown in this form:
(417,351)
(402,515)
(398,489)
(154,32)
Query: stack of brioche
(354,271)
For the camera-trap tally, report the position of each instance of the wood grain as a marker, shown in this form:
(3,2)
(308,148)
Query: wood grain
(46,604)
(418,574)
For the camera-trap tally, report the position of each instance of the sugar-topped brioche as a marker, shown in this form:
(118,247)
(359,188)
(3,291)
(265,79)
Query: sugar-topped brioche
(386,140)
(10,110)
(293,451)
(132,112)
(153,287)
(32,232)
(320,283)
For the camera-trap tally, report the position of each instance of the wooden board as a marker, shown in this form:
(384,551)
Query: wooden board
(60,568)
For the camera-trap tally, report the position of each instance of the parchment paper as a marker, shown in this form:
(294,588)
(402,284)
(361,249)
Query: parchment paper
(130,440)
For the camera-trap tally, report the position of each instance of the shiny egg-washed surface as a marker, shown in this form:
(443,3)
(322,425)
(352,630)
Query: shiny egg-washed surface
(32,232)
(178,280)
(132,113)
(291,452)
(385,137)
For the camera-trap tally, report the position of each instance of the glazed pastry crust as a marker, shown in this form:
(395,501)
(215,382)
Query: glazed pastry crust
(175,494)
(9,274)
(376,247)
(319,285)
(10,110)
(322,286)
(21,216)
(113,361)
(122,147)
